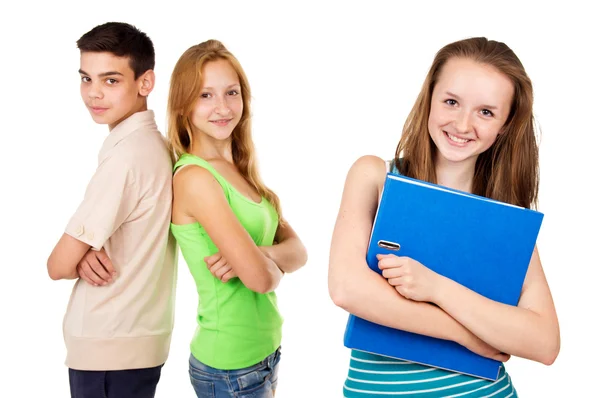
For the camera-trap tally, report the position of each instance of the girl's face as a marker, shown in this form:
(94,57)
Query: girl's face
(469,105)
(219,108)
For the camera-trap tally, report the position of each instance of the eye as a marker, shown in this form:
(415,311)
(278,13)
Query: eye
(233,92)
(111,81)
(205,95)
(85,79)
(451,102)
(487,112)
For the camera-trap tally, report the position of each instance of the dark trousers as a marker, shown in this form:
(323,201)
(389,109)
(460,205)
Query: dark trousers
(132,383)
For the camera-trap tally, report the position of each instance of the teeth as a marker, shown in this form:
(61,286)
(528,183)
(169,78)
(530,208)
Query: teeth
(456,139)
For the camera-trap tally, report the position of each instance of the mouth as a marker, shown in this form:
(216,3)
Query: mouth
(98,110)
(455,140)
(221,122)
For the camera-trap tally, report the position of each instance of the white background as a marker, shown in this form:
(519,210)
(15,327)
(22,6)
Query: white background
(331,82)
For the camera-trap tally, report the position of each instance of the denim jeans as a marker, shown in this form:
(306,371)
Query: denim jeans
(132,383)
(256,381)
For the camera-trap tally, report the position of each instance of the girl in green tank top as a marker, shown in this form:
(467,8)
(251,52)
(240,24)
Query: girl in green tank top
(228,225)
(470,129)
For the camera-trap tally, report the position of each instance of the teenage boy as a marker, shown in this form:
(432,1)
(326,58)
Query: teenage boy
(118,323)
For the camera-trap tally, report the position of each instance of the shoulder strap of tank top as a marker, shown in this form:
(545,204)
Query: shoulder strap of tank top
(391,166)
(188,159)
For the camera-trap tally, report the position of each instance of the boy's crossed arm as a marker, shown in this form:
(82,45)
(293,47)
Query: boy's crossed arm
(72,258)
(68,252)
(96,268)
(107,203)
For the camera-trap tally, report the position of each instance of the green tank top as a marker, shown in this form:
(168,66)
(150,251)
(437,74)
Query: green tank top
(237,327)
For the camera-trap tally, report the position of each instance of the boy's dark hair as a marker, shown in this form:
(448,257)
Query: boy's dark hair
(122,40)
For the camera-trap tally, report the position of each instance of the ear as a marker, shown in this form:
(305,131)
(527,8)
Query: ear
(501,135)
(146,83)
(502,130)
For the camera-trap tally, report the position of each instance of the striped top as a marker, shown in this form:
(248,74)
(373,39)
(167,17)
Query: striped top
(373,375)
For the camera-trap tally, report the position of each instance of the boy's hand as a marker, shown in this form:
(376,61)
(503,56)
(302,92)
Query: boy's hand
(96,268)
(217,265)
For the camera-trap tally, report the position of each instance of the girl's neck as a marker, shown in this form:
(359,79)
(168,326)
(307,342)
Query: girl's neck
(455,175)
(209,148)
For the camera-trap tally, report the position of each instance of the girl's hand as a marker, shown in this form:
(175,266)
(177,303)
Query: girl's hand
(416,282)
(409,277)
(482,348)
(217,265)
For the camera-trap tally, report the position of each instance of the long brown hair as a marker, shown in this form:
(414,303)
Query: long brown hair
(508,171)
(185,89)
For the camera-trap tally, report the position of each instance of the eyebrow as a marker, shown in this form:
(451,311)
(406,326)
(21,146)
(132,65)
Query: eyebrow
(105,74)
(230,86)
(458,98)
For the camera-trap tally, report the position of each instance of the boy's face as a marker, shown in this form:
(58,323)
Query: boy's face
(109,89)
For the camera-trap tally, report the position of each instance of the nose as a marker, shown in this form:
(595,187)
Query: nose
(94,91)
(222,107)
(462,123)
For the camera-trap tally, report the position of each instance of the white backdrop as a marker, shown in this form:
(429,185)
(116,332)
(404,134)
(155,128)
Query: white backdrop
(331,82)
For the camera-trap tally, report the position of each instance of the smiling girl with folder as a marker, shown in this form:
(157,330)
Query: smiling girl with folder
(471,129)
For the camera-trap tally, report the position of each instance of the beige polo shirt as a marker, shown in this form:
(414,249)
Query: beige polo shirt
(127,210)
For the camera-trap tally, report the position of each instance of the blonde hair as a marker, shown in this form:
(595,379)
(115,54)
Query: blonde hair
(185,89)
(508,171)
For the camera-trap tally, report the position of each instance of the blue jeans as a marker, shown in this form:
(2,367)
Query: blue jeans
(256,381)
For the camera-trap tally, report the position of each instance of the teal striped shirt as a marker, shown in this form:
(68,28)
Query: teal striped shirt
(373,375)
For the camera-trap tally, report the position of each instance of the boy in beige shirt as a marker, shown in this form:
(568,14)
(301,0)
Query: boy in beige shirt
(118,322)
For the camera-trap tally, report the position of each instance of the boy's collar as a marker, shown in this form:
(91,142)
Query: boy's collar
(126,127)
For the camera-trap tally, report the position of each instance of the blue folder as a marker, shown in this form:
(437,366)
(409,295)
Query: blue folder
(480,243)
